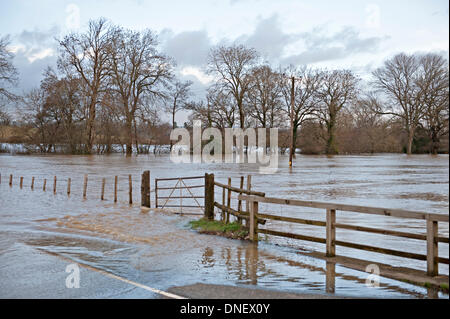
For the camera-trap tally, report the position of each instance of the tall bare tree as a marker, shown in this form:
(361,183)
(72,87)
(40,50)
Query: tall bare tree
(136,69)
(336,90)
(264,97)
(177,98)
(402,97)
(305,86)
(233,66)
(86,55)
(8,73)
(433,81)
(64,96)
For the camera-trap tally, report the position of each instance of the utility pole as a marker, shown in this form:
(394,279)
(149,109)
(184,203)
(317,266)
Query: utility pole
(291,152)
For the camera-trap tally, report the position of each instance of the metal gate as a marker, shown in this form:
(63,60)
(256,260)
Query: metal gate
(185,192)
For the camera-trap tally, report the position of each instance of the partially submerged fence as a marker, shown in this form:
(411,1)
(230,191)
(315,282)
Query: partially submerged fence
(432,239)
(254,218)
(66,185)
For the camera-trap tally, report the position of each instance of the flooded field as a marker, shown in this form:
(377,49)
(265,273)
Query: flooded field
(157,248)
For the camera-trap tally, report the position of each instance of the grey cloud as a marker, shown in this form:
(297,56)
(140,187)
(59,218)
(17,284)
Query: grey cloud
(188,48)
(323,47)
(38,37)
(31,43)
(268,38)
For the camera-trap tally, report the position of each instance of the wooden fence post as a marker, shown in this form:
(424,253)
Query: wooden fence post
(223,204)
(69,180)
(156,193)
(249,188)
(145,189)
(115,188)
(130,184)
(253,220)
(228,201)
(432,248)
(241,186)
(209,196)
(21,182)
(32,183)
(103,188)
(10,179)
(85,185)
(331,233)
(54,185)
(45,184)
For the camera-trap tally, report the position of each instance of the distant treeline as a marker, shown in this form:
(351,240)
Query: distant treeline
(112,85)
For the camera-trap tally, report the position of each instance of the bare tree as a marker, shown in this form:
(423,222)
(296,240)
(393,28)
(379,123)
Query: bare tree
(86,55)
(177,98)
(136,69)
(233,66)
(264,97)
(8,73)
(402,97)
(64,95)
(433,82)
(336,90)
(305,86)
(223,110)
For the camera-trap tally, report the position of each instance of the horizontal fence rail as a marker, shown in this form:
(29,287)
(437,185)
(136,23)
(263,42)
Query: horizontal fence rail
(432,239)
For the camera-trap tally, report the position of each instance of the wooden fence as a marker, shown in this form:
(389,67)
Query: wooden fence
(67,188)
(432,239)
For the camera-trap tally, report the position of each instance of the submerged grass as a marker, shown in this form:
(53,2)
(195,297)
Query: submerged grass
(215,227)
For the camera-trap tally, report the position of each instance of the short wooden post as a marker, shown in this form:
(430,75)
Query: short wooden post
(21,182)
(32,183)
(54,185)
(331,233)
(116,179)
(228,201)
(103,188)
(209,196)
(85,185)
(69,181)
(145,189)
(45,184)
(130,189)
(330,277)
(432,248)
(253,221)
(10,179)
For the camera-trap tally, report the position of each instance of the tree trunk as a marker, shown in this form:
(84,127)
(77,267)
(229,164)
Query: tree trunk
(241,115)
(435,142)
(90,127)
(410,141)
(331,148)
(136,136)
(129,127)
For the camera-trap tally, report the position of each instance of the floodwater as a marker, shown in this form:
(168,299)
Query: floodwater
(157,248)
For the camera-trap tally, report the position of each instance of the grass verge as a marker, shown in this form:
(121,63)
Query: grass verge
(214,227)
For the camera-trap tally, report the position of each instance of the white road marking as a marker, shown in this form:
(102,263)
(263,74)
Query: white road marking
(108,274)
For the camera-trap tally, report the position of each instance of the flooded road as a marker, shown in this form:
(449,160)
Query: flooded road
(157,248)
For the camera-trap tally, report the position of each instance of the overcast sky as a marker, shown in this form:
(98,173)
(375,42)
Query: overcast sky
(353,34)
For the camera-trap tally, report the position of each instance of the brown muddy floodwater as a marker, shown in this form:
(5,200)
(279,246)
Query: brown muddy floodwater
(158,249)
